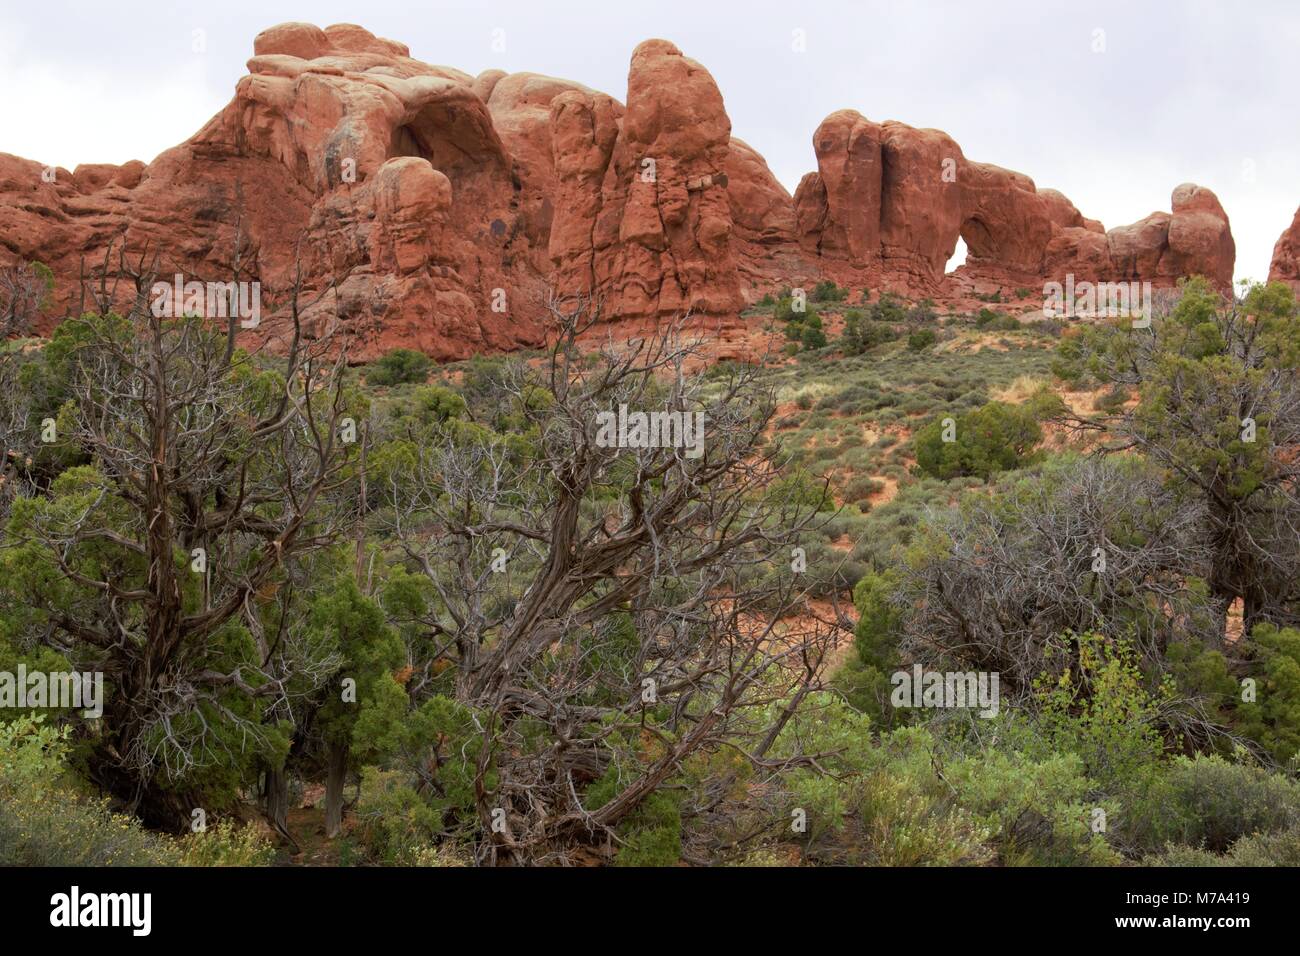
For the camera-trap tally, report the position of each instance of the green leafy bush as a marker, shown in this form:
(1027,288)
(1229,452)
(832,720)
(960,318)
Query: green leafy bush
(1040,812)
(921,339)
(996,437)
(991,321)
(393,822)
(828,291)
(1209,803)
(1275,848)
(812,336)
(399,367)
(225,844)
(44,822)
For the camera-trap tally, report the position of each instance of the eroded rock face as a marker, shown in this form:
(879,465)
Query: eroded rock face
(888,203)
(644,218)
(1285,266)
(439,206)
(765,228)
(391,172)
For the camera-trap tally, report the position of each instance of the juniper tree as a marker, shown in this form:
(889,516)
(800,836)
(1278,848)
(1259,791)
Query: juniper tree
(599,620)
(207,477)
(1219,413)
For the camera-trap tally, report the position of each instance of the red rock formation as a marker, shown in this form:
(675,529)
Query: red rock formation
(765,232)
(656,237)
(1195,239)
(1285,266)
(888,203)
(444,203)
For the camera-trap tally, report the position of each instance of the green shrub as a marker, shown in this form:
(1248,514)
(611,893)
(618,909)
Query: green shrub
(1039,812)
(1273,718)
(399,367)
(996,437)
(812,337)
(225,844)
(921,339)
(786,310)
(906,824)
(991,321)
(828,291)
(43,822)
(1100,709)
(1275,848)
(394,823)
(652,834)
(887,309)
(1209,803)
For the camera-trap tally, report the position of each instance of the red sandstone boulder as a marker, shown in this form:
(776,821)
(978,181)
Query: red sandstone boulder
(851,166)
(1200,238)
(1285,266)
(656,240)
(921,214)
(302,40)
(765,232)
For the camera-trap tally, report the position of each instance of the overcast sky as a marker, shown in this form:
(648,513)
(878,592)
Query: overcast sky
(1182,91)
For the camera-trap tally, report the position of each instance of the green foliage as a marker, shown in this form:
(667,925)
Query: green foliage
(44,822)
(393,822)
(651,835)
(441,741)
(802,325)
(399,367)
(1040,812)
(812,336)
(1273,718)
(226,844)
(881,804)
(921,339)
(1272,848)
(1100,709)
(828,291)
(352,627)
(991,321)
(801,489)
(997,437)
(1209,803)
(864,679)
(861,335)
(887,309)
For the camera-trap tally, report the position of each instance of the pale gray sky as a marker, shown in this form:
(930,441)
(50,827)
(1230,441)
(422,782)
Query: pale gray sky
(1185,90)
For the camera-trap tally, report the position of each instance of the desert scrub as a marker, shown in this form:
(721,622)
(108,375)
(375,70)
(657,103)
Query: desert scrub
(399,367)
(44,822)
(226,844)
